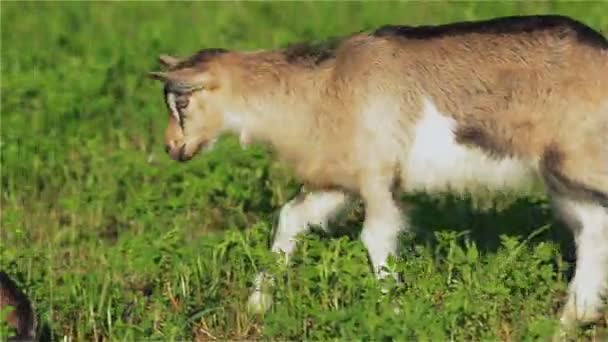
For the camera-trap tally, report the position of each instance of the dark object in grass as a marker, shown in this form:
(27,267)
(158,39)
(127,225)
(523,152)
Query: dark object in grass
(21,315)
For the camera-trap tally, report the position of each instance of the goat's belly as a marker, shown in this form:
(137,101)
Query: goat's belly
(436,162)
(466,171)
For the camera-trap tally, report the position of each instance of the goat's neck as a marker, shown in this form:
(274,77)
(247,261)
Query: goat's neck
(280,111)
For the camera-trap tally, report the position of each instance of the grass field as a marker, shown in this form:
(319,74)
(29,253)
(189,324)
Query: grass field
(114,241)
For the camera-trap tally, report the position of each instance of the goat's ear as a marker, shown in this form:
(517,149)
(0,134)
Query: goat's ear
(184,80)
(158,75)
(168,61)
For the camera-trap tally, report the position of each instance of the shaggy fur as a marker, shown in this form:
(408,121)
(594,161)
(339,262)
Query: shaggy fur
(456,107)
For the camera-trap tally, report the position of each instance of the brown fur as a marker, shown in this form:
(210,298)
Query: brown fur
(21,317)
(523,95)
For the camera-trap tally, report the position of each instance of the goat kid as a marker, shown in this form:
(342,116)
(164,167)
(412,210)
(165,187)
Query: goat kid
(460,107)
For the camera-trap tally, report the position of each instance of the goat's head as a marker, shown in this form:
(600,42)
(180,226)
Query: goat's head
(192,94)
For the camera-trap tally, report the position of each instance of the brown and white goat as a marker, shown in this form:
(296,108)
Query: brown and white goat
(489,104)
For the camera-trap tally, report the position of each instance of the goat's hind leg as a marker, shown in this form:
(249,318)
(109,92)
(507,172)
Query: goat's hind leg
(589,222)
(582,202)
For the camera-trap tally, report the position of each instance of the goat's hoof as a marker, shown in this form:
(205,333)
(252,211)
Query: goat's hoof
(573,316)
(259,302)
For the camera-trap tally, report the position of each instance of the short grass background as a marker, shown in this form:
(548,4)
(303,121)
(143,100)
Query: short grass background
(114,241)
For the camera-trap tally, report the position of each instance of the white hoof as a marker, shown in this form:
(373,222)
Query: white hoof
(260,299)
(259,302)
(581,312)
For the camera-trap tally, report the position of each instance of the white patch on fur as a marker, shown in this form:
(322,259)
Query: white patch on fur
(436,162)
(173,106)
(235,123)
(380,137)
(296,217)
(591,277)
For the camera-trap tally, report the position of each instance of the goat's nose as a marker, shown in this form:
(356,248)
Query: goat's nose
(170,145)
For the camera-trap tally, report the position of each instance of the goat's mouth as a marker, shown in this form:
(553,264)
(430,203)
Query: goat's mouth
(184,153)
(179,154)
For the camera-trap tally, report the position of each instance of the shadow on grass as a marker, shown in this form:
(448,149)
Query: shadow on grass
(482,225)
(519,218)
(46,334)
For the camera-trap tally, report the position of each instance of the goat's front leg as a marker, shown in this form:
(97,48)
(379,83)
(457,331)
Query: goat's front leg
(312,208)
(383,224)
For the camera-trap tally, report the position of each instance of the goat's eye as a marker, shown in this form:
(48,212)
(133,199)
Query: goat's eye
(182,101)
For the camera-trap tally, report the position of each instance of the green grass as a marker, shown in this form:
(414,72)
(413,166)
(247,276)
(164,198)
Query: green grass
(114,241)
